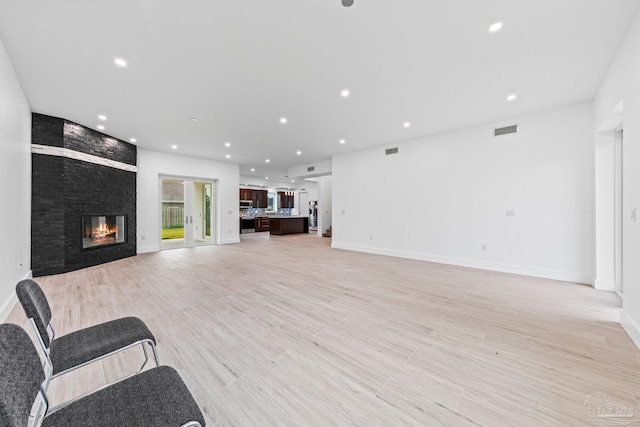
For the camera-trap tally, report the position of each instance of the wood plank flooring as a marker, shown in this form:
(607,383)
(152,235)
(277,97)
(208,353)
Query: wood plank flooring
(284,330)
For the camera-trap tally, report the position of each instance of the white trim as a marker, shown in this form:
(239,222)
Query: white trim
(566,276)
(631,327)
(605,285)
(11,302)
(229,241)
(76,155)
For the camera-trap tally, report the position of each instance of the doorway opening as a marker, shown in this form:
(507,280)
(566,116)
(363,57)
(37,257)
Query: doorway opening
(187,212)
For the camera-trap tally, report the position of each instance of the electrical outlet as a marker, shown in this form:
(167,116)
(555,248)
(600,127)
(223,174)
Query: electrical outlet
(371,237)
(342,211)
(633,215)
(484,247)
(511,213)
(143,237)
(228,231)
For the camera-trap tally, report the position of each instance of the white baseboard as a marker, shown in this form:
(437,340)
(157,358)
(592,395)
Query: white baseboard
(145,249)
(605,285)
(631,327)
(229,241)
(566,276)
(6,308)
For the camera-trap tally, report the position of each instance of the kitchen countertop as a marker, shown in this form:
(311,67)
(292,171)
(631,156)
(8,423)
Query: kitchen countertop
(287,216)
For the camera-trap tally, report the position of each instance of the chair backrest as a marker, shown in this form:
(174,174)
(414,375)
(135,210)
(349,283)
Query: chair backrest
(35,306)
(21,375)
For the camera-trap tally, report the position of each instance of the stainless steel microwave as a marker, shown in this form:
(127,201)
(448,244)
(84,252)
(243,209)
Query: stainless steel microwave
(246,204)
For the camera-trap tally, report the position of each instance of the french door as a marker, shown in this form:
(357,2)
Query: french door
(186,212)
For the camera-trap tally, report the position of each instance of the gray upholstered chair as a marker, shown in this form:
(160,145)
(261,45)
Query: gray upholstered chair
(156,397)
(84,346)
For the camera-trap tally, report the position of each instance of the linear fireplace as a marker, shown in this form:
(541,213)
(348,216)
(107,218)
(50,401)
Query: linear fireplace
(103,230)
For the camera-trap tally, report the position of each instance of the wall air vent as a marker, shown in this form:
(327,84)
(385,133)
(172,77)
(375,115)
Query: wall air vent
(391,151)
(505,130)
(311,168)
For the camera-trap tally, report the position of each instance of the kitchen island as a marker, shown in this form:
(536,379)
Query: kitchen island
(288,224)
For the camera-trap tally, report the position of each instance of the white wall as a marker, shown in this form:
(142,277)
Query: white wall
(152,164)
(15,191)
(442,197)
(622,83)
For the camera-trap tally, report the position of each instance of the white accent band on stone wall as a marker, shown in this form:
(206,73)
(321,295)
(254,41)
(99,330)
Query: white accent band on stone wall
(76,155)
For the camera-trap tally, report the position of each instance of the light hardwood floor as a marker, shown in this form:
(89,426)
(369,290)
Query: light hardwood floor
(284,330)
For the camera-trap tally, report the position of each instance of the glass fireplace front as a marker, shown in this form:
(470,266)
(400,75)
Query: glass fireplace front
(100,230)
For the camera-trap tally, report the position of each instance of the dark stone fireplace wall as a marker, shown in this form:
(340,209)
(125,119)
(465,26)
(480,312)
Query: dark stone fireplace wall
(64,189)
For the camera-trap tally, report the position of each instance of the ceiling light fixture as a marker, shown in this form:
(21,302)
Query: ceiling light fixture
(228,156)
(495,27)
(347,3)
(298,152)
(512,97)
(227,144)
(266,177)
(267,160)
(293,180)
(120,62)
(283,120)
(345,93)
(174,147)
(100,127)
(194,119)
(342,141)
(407,124)
(132,139)
(253,170)
(102,117)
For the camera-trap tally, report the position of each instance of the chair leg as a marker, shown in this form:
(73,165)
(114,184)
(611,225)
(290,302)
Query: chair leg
(146,355)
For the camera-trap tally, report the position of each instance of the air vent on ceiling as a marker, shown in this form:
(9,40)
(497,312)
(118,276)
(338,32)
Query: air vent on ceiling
(505,130)
(391,151)
(311,168)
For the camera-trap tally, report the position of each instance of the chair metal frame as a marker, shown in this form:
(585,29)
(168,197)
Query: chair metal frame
(48,365)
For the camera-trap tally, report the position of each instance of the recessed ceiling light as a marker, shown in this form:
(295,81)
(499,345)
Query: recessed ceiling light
(407,124)
(342,141)
(227,144)
(194,119)
(228,156)
(100,127)
(253,170)
(267,160)
(345,93)
(132,139)
(283,120)
(174,147)
(293,180)
(347,3)
(495,27)
(298,152)
(102,117)
(120,62)
(512,97)
(266,177)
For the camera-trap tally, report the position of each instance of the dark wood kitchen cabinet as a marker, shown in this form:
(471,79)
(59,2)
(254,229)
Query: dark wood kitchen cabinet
(262,224)
(286,199)
(260,198)
(245,194)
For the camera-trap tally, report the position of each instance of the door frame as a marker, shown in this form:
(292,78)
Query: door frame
(214,210)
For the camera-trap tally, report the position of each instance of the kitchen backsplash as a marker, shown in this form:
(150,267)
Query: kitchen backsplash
(261,212)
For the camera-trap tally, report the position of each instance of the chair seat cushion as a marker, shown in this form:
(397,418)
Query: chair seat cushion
(157,397)
(87,344)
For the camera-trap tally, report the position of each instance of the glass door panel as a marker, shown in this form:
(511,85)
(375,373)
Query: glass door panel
(173,214)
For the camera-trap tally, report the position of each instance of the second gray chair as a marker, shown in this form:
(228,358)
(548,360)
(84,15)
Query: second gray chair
(84,346)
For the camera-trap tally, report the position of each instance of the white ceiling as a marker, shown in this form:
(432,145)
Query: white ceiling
(240,65)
